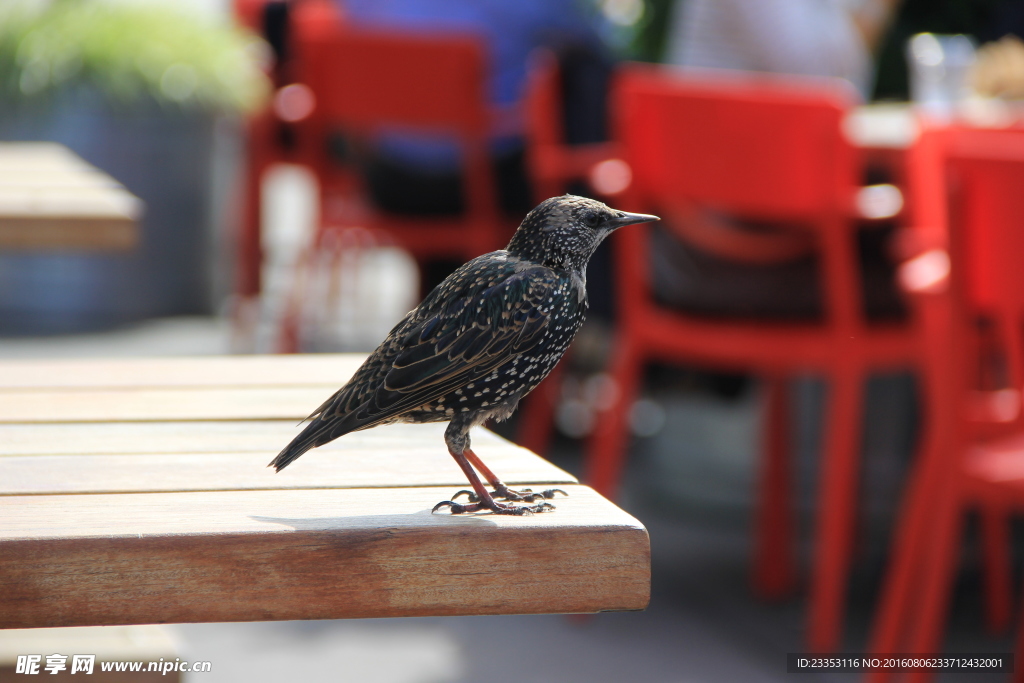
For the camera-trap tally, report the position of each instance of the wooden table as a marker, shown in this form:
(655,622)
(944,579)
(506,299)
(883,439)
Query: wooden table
(136,491)
(52,199)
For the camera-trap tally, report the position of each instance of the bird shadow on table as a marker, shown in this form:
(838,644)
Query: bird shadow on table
(392,520)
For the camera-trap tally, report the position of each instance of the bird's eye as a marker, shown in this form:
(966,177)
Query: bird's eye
(592,219)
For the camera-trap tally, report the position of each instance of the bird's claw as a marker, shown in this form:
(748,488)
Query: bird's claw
(526,495)
(530,509)
(475,504)
(547,494)
(505,493)
(498,508)
(456,508)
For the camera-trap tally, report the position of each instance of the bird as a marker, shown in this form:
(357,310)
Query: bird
(476,345)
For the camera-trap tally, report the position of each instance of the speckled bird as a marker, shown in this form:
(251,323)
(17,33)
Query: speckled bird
(478,343)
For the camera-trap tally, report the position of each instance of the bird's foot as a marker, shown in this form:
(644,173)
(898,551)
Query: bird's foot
(505,493)
(525,495)
(495,507)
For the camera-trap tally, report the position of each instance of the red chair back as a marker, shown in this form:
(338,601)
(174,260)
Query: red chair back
(986,176)
(760,147)
(366,79)
(968,195)
(763,147)
(371,80)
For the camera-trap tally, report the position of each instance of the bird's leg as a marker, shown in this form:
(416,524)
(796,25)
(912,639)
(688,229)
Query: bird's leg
(501,490)
(483,499)
(457,438)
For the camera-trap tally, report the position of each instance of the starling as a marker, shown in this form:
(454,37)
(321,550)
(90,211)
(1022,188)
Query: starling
(478,343)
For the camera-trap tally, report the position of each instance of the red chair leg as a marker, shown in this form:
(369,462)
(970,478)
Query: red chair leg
(537,414)
(774,540)
(249,248)
(836,506)
(606,451)
(995,544)
(897,602)
(939,567)
(1018,673)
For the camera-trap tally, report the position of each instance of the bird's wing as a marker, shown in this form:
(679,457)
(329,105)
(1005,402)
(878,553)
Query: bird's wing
(465,341)
(453,338)
(504,321)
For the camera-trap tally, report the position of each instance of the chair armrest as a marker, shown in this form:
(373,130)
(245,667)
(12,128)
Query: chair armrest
(724,239)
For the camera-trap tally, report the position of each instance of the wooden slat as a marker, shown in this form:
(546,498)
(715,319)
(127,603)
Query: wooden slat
(54,176)
(186,557)
(393,456)
(55,474)
(38,155)
(131,438)
(257,403)
(326,370)
(149,437)
(66,198)
(53,233)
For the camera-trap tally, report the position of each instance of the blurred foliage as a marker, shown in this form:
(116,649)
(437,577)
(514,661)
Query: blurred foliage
(127,53)
(973,17)
(648,44)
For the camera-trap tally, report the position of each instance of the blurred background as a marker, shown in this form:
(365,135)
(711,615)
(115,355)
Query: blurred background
(251,186)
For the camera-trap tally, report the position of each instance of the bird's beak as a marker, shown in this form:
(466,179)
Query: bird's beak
(623,219)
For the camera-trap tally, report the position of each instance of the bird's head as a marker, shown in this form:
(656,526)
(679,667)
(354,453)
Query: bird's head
(563,232)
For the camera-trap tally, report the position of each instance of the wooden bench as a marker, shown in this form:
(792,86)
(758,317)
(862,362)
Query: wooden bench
(51,199)
(136,491)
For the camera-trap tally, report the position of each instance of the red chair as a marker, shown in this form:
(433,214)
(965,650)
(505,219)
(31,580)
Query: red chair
(358,82)
(554,165)
(367,81)
(271,137)
(762,148)
(969,293)
(364,81)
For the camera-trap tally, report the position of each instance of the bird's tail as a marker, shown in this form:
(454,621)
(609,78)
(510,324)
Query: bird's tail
(299,445)
(316,433)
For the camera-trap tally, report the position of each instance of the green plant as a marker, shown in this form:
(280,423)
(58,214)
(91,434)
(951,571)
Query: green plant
(128,53)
